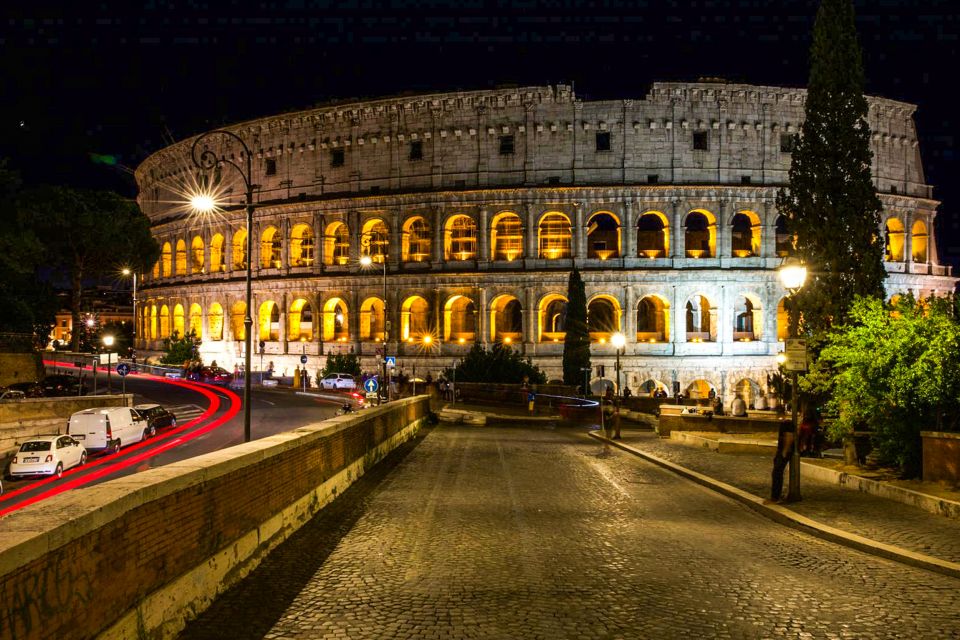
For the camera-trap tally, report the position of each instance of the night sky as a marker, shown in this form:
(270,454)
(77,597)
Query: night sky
(85,81)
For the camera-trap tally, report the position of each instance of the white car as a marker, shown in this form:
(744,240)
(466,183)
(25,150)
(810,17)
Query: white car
(47,455)
(339,381)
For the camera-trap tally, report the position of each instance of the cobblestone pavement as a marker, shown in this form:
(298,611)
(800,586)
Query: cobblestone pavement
(867,515)
(538,533)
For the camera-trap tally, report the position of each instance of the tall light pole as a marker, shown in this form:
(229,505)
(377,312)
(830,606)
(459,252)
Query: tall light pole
(366,242)
(127,272)
(108,343)
(793,275)
(207,160)
(617,340)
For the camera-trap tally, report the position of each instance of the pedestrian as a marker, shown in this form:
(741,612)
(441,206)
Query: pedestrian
(781,459)
(608,413)
(808,429)
(738,407)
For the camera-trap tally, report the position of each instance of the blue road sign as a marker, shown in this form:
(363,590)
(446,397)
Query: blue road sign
(391,361)
(303,359)
(123,369)
(371,385)
(531,397)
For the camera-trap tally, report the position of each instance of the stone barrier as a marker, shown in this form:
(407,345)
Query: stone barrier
(139,556)
(941,457)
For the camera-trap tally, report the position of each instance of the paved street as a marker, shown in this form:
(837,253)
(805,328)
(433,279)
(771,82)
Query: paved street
(538,533)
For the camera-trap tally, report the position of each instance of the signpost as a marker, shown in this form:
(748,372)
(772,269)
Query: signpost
(796,352)
(371,386)
(122,370)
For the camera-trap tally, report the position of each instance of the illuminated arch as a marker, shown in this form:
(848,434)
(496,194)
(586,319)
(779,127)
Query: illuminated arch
(653,235)
(414,318)
(416,240)
(195,320)
(745,234)
(700,236)
(506,319)
(371,320)
(164,322)
(552,318)
(336,244)
(747,318)
(302,246)
(300,320)
(269,324)
(650,385)
(197,255)
(554,236)
(181,258)
(375,240)
(698,390)
(748,390)
(156,269)
(237,314)
(178,320)
(919,241)
(270,248)
(506,236)
(603,317)
(460,238)
(153,322)
(894,240)
(215,323)
(216,253)
(653,319)
(335,321)
(783,320)
(699,327)
(784,239)
(459,319)
(240,250)
(603,235)
(167,260)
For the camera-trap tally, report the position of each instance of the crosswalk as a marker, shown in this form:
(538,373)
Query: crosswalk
(185,412)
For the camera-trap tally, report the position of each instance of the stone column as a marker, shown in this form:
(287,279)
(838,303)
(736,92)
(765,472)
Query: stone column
(530,233)
(768,231)
(318,243)
(284,231)
(627,226)
(529,317)
(678,241)
(680,317)
(395,249)
(483,330)
(580,233)
(908,242)
(483,258)
(630,313)
(437,248)
(724,230)
(282,303)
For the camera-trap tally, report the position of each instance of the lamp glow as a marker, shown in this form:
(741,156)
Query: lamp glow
(793,275)
(366,261)
(427,339)
(202,202)
(781,358)
(618,340)
(108,341)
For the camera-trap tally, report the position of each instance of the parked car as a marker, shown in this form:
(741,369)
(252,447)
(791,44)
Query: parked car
(211,375)
(63,385)
(47,455)
(156,416)
(338,381)
(11,394)
(29,389)
(108,428)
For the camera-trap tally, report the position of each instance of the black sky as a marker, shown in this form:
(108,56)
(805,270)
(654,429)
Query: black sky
(121,78)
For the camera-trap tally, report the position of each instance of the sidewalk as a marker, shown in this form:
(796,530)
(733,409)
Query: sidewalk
(867,522)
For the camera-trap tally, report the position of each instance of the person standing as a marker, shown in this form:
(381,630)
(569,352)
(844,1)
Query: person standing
(781,460)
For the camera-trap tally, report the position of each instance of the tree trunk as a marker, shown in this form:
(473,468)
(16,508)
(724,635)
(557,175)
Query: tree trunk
(850,452)
(76,295)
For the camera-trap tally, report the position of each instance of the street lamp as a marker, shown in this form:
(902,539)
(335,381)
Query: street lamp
(130,272)
(108,343)
(207,160)
(617,340)
(793,275)
(367,244)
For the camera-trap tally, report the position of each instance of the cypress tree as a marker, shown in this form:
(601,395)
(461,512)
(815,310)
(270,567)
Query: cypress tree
(831,203)
(576,341)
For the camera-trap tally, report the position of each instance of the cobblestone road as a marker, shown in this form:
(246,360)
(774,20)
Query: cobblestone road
(537,533)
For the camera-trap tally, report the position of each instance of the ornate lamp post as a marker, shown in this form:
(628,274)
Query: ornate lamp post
(108,343)
(367,242)
(207,160)
(793,275)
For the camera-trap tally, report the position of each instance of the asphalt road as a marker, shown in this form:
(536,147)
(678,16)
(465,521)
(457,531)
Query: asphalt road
(487,532)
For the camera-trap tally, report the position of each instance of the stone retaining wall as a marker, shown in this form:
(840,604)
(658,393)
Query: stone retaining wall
(141,555)
(723,424)
(941,457)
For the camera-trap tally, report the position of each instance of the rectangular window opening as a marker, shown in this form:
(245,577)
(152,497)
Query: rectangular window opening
(506,145)
(271,168)
(336,158)
(416,150)
(788,142)
(700,140)
(653,178)
(603,141)
(745,179)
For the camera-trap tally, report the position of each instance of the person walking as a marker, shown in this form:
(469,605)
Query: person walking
(781,460)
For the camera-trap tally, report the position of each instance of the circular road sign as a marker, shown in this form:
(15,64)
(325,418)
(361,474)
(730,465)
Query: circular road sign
(303,359)
(371,385)
(123,369)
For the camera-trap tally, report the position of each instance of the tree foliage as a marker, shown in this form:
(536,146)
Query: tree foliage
(500,364)
(831,204)
(894,369)
(342,363)
(576,342)
(179,350)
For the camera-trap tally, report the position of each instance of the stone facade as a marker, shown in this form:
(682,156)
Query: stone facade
(480,203)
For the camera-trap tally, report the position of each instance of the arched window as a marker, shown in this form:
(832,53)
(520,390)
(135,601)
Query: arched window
(336,244)
(164,322)
(747,319)
(156,269)
(181,258)
(237,328)
(375,240)
(153,322)
(603,318)
(240,250)
(698,390)
(178,320)
(196,320)
(745,239)
(552,318)
(196,255)
(335,321)
(894,240)
(371,320)
(919,241)
(216,253)
(603,236)
(555,237)
(166,259)
(300,320)
(215,323)
(301,246)
(461,238)
(783,321)
(270,248)
(506,319)
(698,319)
(506,237)
(416,240)
(414,319)
(459,320)
(653,320)
(784,237)
(652,235)
(701,235)
(749,391)
(269,321)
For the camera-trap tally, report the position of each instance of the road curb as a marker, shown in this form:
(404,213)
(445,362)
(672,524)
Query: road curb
(785,516)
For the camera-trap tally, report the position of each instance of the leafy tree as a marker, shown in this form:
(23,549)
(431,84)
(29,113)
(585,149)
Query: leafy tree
(576,342)
(88,235)
(895,370)
(180,350)
(500,364)
(831,204)
(342,363)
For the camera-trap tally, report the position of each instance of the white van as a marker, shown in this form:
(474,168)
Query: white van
(107,428)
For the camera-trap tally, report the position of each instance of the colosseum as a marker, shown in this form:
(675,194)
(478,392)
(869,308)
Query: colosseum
(419,226)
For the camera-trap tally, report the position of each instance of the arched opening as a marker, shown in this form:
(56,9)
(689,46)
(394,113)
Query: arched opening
(216,253)
(603,236)
(336,244)
(552,318)
(414,319)
(371,320)
(237,328)
(784,238)
(555,236)
(178,320)
(240,250)
(745,238)
(650,386)
(698,390)
(156,269)
(270,248)
(195,325)
(653,319)
(698,324)
(700,238)
(375,240)
(215,323)
(653,239)
(894,240)
(460,241)
(603,318)
(301,246)
(416,240)
(749,391)
(336,327)
(459,320)
(747,318)
(506,319)
(269,321)
(164,322)
(783,321)
(166,259)
(919,241)
(506,239)
(300,320)
(181,258)
(153,322)
(197,256)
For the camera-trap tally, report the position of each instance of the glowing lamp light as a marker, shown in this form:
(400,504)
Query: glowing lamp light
(603,341)
(781,358)
(108,341)
(793,274)
(652,340)
(90,322)
(462,340)
(125,271)
(409,339)
(427,339)
(202,202)
(507,340)
(366,261)
(617,340)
